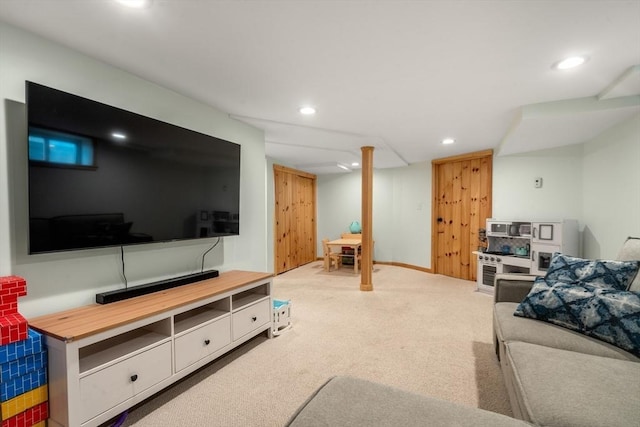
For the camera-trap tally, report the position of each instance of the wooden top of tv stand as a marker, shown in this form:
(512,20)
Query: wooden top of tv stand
(81,322)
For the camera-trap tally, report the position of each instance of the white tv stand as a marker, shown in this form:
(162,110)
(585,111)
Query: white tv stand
(103,359)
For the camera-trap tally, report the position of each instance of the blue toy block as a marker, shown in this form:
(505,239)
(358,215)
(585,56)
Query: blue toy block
(22,366)
(23,384)
(15,350)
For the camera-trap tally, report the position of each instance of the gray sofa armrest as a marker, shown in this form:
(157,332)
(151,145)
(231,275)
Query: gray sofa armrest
(352,402)
(630,252)
(512,287)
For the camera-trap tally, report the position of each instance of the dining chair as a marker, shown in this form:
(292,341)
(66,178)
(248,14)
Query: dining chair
(359,256)
(330,258)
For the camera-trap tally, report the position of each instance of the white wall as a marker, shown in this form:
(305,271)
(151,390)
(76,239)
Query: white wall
(339,204)
(411,234)
(514,194)
(401,211)
(58,281)
(596,183)
(611,189)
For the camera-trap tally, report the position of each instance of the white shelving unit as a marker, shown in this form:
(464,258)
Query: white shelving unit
(103,359)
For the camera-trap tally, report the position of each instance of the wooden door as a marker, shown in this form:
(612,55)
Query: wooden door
(295,218)
(461,204)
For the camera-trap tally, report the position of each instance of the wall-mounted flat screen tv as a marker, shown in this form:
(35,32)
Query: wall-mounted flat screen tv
(102,176)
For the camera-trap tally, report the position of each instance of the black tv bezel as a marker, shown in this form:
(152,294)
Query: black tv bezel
(142,116)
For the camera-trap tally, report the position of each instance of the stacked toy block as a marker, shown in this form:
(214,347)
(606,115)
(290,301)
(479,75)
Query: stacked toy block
(13,327)
(23,362)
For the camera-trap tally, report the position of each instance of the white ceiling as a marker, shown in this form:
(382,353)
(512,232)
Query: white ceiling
(396,75)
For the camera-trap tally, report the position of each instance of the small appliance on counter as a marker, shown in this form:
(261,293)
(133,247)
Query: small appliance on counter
(523,250)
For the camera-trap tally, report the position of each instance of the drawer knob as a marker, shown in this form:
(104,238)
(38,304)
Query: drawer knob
(207,342)
(134,377)
(254,318)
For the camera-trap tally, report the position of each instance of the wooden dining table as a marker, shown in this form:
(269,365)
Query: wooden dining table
(354,244)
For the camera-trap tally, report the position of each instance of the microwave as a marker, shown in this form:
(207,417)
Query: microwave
(498,228)
(508,228)
(525,229)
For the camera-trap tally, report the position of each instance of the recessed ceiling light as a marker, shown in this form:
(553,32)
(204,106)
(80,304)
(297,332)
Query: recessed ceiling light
(138,4)
(571,62)
(118,135)
(355,164)
(307,111)
(447,141)
(341,166)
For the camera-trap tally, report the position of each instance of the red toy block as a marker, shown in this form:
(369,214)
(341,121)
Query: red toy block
(13,285)
(30,417)
(13,327)
(8,308)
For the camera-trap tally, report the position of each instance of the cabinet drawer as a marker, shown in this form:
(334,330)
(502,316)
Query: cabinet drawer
(202,342)
(251,318)
(108,387)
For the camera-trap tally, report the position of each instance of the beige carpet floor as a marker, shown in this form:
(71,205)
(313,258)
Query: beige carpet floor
(424,333)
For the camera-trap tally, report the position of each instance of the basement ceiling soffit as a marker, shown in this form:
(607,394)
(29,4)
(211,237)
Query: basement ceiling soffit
(627,84)
(324,146)
(573,121)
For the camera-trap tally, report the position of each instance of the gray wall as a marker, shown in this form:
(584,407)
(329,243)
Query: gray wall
(58,281)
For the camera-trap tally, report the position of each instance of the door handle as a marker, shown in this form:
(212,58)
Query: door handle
(134,377)
(440,219)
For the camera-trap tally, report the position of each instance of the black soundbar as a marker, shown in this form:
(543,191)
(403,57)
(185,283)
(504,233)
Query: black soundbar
(136,291)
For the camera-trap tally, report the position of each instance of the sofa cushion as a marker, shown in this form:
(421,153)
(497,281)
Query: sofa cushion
(346,401)
(631,251)
(606,314)
(602,273)
(513,328)
(595,391)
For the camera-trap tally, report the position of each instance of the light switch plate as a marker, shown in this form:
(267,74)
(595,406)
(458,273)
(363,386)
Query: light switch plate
(538,182)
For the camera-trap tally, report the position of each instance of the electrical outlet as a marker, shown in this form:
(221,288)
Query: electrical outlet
(538,182)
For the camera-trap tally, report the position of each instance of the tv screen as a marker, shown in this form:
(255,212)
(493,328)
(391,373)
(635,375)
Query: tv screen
(101,176)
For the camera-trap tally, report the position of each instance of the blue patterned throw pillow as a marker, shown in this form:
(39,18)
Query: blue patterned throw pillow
(601,273)
(610,315)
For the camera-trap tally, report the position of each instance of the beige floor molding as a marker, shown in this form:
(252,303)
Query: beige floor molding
(424,333)
(397,264)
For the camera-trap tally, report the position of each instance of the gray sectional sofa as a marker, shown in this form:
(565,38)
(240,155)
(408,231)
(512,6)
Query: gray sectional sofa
(559,377)
(351,402)
(554,377)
